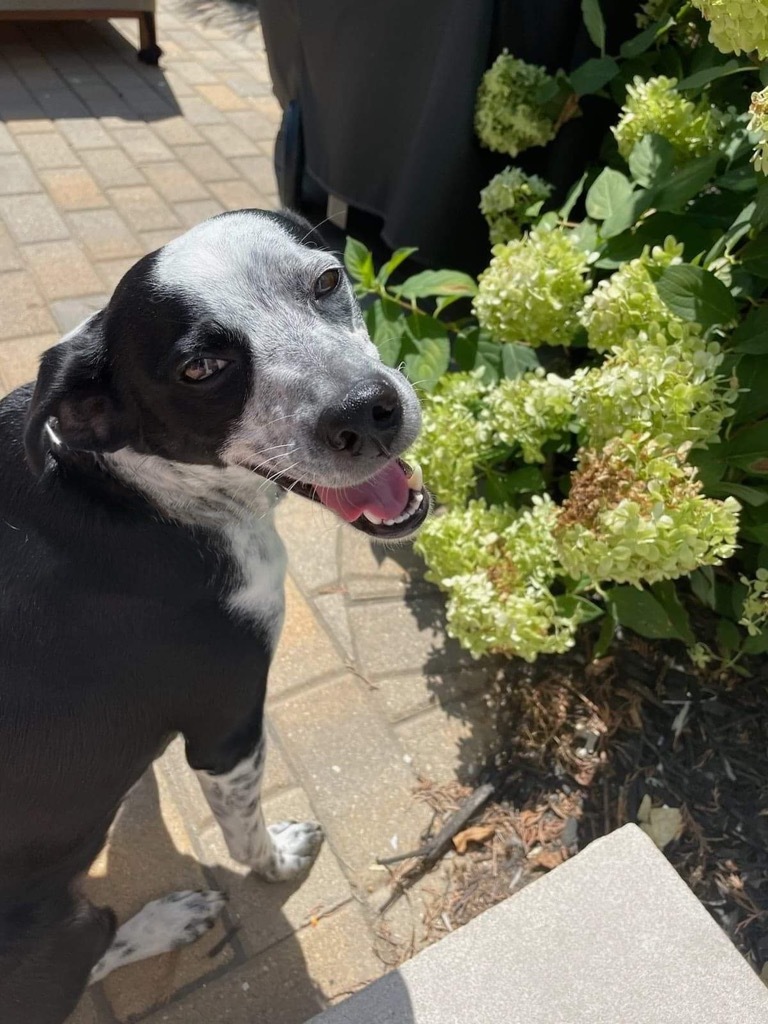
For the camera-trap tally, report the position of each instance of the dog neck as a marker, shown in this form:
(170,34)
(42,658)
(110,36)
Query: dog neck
(198,495)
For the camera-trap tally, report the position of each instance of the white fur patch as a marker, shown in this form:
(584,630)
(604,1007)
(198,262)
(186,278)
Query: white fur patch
(162,925)
(236,503)
(278,853)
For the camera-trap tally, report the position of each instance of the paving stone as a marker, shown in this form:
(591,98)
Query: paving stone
(399,697)
(256,125)
(305,652)
(87,1012)
(149,855)
(229,141)
(23,310)
(174,182)
(311,536)
(175,131)
(62,269)
(222,97)
(142,144)
(70,313)
(73,189)
(104,234)
(151,240)
(16,176)
(21,125)
(84,133)
(258,170)
(394,637)
(7,145)
(62,102)
(48,149)
(112,271)
(332,608)
(353,770)
(205,163)
(372,570)
(112,168)
(32,218)
(268,912)
(247,85)
(198,112)
(444,743)
(10,257)
(194,73)
(196,211)
(19,360)
(286,984)
(238,195)
(142,207)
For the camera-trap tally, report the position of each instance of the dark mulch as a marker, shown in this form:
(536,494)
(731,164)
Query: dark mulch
(581,745)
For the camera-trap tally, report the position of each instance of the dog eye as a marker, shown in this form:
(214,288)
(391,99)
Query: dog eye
(327,282)
(203,369)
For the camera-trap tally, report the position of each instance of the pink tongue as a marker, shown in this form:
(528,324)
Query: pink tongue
(384,495)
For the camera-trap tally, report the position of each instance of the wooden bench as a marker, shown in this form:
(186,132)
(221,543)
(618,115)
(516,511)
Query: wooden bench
(84,10)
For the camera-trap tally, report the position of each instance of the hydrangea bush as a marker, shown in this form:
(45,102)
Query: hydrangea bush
(596,412)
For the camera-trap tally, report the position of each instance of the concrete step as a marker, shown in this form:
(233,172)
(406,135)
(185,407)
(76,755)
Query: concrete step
(614,936)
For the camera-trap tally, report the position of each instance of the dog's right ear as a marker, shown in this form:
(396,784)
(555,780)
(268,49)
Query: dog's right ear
(73,390)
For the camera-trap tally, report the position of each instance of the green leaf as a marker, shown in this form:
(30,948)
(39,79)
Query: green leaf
(751,336)
(426,351)
(695,294)
(701,78)
(437,282)
(749,495)
(652,231)
(609,192)
(728,637)
(627,214)
(572,198)
(594,22)
(398,256)
(752,403)
(760,214)
(473,349)
(652,158)
(756,644)
(709,463)
(593,75)
(359,263)
(703,585)
(517,359)
(572,605)
(584,236)
(640,611)
(754,256)
(750,445)
(386,326)
(685,183)
(525,480)
(666,594)
(644,40)
(606,635)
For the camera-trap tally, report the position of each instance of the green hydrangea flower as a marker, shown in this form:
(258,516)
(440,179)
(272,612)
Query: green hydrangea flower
(496,565)
(627,302)
(654,106)
(657,382)
(506,200)
(452,436)
(754,611)
(738,26)
(508,118)
(635,514)
(531,410)
(758,123)
(533,289)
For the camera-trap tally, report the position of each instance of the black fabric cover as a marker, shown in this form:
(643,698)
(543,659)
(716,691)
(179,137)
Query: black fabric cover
(387,95)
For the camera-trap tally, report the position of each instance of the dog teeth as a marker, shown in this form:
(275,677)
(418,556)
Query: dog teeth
(416,480)
(373,519)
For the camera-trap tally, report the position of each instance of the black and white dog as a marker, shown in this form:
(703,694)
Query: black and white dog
(142,578)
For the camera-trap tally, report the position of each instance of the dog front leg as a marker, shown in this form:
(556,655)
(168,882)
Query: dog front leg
(278,852)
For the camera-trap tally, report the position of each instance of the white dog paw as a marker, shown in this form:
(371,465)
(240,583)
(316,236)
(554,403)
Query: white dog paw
(172,921)
(295,845)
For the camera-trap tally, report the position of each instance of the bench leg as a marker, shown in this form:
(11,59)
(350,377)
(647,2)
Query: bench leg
(149,52)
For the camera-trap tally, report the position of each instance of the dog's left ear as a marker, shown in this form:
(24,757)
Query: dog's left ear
(73,390)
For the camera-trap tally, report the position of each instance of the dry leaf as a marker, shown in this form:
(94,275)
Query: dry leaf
(473,834)
(663,825)
(548,858)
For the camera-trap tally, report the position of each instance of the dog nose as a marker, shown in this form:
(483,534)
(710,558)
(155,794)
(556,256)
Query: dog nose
(368,417)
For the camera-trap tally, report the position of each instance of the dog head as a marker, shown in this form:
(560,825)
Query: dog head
(240,344)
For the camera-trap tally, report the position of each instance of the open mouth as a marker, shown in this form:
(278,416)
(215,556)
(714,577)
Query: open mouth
(392,504)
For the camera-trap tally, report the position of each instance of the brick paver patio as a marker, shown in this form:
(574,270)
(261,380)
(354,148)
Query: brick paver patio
(102,160)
